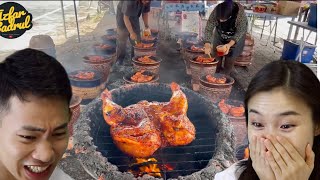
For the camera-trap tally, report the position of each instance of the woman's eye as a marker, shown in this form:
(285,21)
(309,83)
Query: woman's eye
(286,126)
(28,137)
(255,124)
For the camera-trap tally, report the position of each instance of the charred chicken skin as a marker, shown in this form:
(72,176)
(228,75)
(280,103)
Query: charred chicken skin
(140,77)
(136,135)
(113,114)
(140,129)
(176,126)
(131,129)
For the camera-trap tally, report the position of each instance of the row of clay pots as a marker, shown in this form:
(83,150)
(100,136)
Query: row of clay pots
(215,92)
(150,69)
(86,90)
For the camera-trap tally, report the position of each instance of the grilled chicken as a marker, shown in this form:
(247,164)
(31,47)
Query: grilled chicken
(84,75)
(113,114)
(175,125)
(136,135)
(202,59)
(140,129)
(95,58)
(143,45)
(224,107)
(212,79)
(147,60)
(236,111)
(140,77)
(171,118)
(131,129)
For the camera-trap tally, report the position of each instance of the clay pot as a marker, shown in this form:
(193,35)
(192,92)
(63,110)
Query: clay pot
(75,110)
(152,67)
(215,92)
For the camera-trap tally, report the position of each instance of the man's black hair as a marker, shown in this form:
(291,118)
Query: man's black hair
(32,72)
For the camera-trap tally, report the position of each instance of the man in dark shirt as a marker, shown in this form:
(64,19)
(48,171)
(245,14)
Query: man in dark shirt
(128,14)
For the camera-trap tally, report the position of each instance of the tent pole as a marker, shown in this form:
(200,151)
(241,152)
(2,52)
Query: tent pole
(75,11)
(64,20)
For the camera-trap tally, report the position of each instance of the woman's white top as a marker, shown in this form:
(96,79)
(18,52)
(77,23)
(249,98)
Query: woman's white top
(231,173)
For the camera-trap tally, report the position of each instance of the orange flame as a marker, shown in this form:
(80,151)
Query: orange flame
(246,153)
(151,169)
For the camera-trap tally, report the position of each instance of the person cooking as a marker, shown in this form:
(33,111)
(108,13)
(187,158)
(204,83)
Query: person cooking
(128,14)
(229,22)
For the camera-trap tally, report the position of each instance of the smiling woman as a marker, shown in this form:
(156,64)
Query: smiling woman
(34,112)
(282,106)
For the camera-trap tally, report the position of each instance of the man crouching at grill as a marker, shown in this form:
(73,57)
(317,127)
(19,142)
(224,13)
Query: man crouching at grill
(35,93)
(128,26)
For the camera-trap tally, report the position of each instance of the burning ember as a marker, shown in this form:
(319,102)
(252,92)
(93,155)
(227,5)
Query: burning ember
(197,49)
(143,45)
(140,77)
(215,80)
(236,111)
(83,75)
(202,59)
(102,46)
(146,166)
(147,60)
(149,166)
(246,153)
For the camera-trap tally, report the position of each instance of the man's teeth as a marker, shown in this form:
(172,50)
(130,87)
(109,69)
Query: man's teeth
(37,169)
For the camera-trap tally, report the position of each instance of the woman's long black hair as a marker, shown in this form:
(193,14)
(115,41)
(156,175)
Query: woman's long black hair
(224,10)
(298,80)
